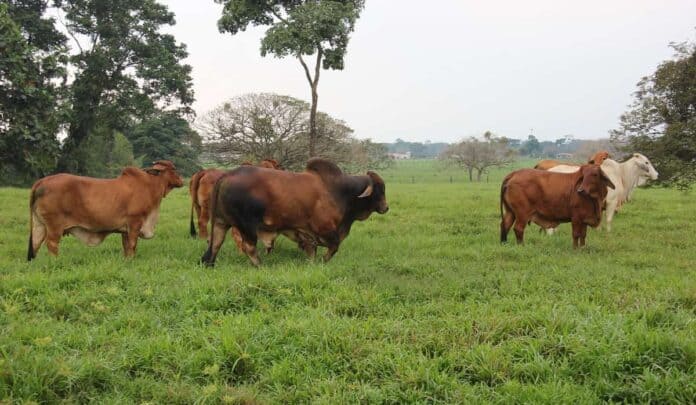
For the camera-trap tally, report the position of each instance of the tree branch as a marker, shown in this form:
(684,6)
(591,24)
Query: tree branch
(306,69)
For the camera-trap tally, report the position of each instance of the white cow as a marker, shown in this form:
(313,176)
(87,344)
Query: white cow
(626,177)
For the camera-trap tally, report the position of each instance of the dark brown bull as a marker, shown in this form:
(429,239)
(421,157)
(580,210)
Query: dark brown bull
(90,209)
(314,208)
(548,198)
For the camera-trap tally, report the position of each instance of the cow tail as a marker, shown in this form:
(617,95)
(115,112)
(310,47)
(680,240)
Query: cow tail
(193,188)
(503,230)
(30,249)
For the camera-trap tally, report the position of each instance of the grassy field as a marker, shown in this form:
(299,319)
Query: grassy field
(419,305)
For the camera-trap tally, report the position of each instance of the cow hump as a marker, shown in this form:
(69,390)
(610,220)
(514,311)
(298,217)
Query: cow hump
(324,168)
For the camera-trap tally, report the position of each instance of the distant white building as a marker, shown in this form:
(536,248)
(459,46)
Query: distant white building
(400,156)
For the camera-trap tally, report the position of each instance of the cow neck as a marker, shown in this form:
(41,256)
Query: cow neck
(629,176)
(159,183)
(346,193)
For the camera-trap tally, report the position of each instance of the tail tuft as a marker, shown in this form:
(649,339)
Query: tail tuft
(193,226)
(30,249)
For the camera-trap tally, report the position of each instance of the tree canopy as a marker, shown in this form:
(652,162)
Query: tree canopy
(256,126)
(661,122)
(31,68)
(126,69)
(298,28)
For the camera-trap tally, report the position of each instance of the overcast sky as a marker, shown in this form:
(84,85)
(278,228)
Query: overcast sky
(440,70)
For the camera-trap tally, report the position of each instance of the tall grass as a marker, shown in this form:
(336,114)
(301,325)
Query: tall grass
(420,305)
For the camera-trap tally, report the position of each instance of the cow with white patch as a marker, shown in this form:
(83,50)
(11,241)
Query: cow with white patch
(626,177)
(90,209)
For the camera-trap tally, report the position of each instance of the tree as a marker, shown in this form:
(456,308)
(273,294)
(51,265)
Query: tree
(167,136)
(255,127)
(260,126)
(531,147)
(31,66)
(125,69)
(661,122)
(477,155)
(299,28)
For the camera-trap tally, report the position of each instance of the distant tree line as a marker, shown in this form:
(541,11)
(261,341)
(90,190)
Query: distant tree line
(105,80)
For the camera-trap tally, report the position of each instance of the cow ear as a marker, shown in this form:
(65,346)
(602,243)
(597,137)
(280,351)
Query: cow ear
(367,192)
(606,179)
(153,172)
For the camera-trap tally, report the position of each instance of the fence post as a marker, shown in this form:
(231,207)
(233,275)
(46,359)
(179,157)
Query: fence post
(413,179)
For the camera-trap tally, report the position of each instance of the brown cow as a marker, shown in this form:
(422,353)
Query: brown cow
(599,158)
(596,159)
(315,208)
(548,198)
(201,185)
(90,209)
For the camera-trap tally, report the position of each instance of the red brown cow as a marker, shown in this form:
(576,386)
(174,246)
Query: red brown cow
(548,198)
(596,159)
(314,208)
(201,185)
(90,209)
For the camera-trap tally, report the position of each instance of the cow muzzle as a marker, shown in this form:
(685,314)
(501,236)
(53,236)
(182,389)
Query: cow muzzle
(383,209)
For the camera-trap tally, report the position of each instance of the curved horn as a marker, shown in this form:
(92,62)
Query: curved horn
(367,192)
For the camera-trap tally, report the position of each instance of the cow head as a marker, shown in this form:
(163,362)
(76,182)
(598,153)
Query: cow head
(166,170)
(645,167)
(375,194)
(593,182)
(270,164)
(599,157)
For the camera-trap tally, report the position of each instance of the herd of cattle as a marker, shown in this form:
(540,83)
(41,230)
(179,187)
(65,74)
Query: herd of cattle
(315,207)
(555,192)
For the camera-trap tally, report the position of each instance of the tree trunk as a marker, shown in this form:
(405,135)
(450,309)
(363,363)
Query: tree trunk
(471,174)
(478,175)
(313,84)
(313,123)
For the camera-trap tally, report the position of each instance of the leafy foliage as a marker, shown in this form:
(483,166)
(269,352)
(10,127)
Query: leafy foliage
(260,126)
(661,122)
(298,28)
(126,71)
(32,60)
(167,136)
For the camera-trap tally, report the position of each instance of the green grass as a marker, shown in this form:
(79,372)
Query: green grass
(419,305)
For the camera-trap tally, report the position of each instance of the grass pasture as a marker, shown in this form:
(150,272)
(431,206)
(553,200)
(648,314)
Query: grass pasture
(419,305)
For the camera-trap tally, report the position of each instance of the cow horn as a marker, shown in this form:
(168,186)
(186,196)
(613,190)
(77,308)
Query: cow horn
(367,192)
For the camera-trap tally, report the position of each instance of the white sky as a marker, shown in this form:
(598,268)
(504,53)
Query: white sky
(440,70)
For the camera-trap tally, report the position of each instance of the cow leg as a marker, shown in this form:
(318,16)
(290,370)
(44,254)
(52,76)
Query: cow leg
(268,239)
(249,246)
(505,225)
(609,211)
(579,233)
(332,243)
(203,217)
(583,234)
(237,237)
(520,224)
(131,238)
(38,234)
(53,236)
(217,236)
